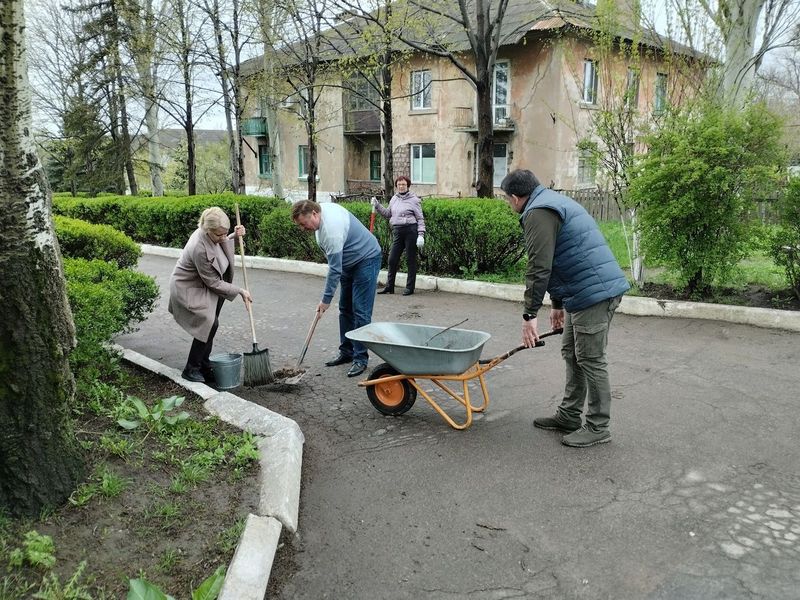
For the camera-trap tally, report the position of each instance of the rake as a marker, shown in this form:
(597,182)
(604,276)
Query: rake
(257,368)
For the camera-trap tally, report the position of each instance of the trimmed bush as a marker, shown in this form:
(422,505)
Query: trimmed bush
(105,301)
(166,221)
(464,237)
(79,239)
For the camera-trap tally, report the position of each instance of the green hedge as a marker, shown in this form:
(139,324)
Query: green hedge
(165,221)
(463,236)
(105,301)
(785,243)
(79,239)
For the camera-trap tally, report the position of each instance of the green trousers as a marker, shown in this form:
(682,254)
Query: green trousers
(583,347)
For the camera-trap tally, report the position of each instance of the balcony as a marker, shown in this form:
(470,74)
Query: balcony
(362,121)
(463,119)
(255,126)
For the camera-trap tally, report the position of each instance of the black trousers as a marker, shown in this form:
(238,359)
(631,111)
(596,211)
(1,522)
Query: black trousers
(201,351)
(404,238)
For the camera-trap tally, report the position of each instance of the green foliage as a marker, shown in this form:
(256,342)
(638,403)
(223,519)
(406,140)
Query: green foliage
(105,301)
(155,418)
(79,239)
(482,233)
(166,221)
(141,589)
(36,551)
(785,243)
(696,184)
(282,238)
(103,482)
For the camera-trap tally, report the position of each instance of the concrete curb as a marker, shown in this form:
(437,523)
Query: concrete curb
(280,458)
(631,305)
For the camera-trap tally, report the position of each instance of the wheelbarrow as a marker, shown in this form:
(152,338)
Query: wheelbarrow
(424,352)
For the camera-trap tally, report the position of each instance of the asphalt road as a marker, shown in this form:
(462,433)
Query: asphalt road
(697,495)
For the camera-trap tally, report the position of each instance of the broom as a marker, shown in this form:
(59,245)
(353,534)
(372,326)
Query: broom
(257,370)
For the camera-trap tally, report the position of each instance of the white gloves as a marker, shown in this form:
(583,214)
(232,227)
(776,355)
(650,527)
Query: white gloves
(420,241)
(373,201)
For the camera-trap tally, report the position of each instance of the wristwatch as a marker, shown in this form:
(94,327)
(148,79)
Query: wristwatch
(528,316)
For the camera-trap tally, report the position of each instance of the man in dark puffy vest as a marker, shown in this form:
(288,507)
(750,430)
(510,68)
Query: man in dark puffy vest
(569,258)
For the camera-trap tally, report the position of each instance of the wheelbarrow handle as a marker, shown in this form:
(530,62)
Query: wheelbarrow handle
(510,353)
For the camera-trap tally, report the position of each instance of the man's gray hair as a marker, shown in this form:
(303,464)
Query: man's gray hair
(520,182)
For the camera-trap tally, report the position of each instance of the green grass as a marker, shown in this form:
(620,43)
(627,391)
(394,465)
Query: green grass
(758,269)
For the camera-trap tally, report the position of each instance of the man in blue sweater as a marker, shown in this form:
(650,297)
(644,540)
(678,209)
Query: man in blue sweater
(569,258)
(354,261)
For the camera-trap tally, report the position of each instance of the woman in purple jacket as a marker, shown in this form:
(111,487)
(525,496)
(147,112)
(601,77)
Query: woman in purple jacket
(408,228)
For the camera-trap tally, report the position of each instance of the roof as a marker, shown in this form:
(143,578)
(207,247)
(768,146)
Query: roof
(540,18)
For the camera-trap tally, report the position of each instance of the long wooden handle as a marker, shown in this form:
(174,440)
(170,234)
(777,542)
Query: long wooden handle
(317,315)
(246,284)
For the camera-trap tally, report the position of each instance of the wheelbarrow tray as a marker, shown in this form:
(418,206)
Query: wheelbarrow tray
(413,350)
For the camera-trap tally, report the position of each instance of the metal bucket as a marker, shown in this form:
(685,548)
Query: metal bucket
(227,368)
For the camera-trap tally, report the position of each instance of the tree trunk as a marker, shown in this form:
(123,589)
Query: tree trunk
(222,67)
(484,187)
(40,461)
(387,130)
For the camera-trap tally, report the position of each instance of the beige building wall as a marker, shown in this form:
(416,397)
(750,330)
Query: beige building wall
(548,117)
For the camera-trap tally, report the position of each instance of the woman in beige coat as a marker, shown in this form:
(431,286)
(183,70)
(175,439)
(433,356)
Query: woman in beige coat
(200,283)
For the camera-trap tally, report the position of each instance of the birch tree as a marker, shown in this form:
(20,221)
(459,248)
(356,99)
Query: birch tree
(40,461)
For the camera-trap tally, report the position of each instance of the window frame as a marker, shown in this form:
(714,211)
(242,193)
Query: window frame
(421,91)
(587,165)
(660,92)
(416,177)
(373,165)
(591,82)
(506,106)
(302,161)
(632,85)
(264,158)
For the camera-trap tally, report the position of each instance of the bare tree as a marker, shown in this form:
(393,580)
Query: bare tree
(142,23)
(302,56)
(437,27)
(738,23)
(40,461)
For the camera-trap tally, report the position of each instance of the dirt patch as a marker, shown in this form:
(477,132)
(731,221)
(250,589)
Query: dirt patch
(181,511)
(752,295)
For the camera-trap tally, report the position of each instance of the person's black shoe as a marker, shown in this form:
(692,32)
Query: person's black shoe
(208,374)
(340,359)
(387,290)
(407,292)
(357,369)
(193,374)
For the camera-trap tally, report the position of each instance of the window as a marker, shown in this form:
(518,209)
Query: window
(420,90)
(302,161)
(500,92)
(587,166)
(423,163)
(500,161)
(264,164)
(632,90)
(660,98)
(375,165)
(589,81)
(362,94)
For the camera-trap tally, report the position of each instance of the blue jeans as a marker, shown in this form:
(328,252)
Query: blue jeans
(356,299)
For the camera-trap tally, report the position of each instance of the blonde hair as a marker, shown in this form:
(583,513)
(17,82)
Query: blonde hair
(214,218)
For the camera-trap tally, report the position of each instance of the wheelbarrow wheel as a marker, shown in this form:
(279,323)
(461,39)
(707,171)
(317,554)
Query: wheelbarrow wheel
(392,397)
